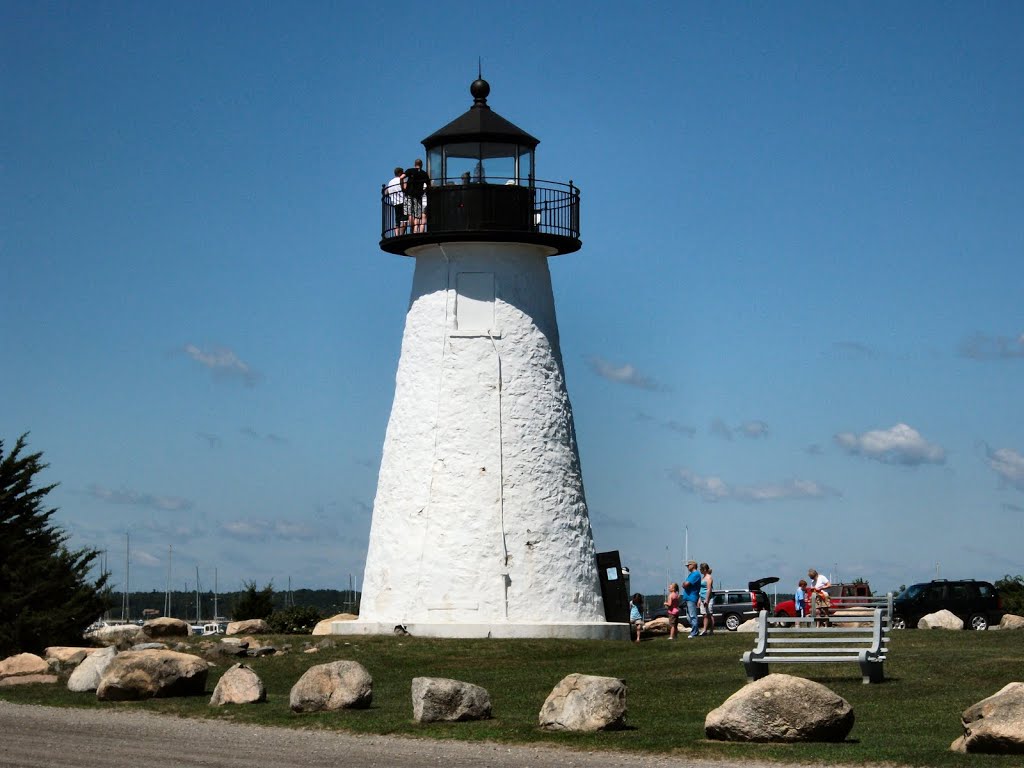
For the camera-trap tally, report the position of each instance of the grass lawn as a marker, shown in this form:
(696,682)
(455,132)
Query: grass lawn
(911,718)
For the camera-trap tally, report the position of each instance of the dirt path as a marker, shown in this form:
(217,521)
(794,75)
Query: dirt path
(54,737)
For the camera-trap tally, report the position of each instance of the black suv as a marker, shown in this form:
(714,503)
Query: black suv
(734,606)
(977,603)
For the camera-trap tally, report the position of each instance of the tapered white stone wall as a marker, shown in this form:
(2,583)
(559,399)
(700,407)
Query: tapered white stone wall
(480,517)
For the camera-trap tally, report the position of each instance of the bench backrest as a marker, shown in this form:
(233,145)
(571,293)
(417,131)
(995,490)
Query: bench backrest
(785,635)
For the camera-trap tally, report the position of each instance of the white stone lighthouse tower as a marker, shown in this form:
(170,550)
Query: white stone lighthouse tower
(480,524)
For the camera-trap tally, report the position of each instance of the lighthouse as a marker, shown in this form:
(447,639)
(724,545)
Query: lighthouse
(480,525)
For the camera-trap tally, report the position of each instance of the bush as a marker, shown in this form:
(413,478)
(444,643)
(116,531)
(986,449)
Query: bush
(1011,590)
(297,620)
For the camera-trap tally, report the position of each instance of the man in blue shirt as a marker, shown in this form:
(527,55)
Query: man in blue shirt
(691,593)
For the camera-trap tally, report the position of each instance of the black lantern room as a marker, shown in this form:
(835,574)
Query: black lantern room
(482,187)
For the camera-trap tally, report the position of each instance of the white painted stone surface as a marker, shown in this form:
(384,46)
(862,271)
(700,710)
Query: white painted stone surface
(480,516)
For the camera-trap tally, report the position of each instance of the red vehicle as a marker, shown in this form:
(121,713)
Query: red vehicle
(842,595)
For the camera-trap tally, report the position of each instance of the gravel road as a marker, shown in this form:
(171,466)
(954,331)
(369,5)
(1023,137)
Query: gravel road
(56,737)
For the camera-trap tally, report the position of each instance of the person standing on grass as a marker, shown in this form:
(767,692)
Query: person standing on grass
(820,599)
(636,614)
(691,594)
(672,603)
(800,598)
(707,599)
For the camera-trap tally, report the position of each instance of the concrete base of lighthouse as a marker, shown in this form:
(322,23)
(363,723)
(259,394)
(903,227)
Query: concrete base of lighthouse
(593,630)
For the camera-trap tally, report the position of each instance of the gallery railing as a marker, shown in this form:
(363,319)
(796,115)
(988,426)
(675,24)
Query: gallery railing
(499,206)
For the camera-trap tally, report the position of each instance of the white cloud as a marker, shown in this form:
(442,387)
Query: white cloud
(223,362)
(754,429)
(984,347)
(901,444)
(1008,464)
(720,429)
(622,374)
(138,499)
(262,530)
(712,488)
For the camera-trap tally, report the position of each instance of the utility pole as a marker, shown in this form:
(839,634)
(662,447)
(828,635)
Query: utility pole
(167,597)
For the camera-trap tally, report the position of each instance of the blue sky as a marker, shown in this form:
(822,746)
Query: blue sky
(794,335)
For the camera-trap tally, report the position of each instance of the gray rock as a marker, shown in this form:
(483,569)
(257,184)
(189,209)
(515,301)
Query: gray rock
(337,685)
(87,675)
(781,708)
(149,647)
(750,625)
(68,656)
(7,682)
(152,674)
(249,626)
(1012,621)
(585,703)
(122,636)
(239,685)
(995,724)
(23,664)
(166,627)
(940,620)
(440,699)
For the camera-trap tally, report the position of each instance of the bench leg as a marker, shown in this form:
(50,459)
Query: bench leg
(755,670)
(871,671)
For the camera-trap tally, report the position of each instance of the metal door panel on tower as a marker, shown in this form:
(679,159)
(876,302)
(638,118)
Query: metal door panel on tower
(474,301)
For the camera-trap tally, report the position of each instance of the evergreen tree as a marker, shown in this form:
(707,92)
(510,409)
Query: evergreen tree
(253,603)
(46,597)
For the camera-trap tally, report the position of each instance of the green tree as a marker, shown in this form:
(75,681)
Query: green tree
(46,595)
(1011,590)
(253,603)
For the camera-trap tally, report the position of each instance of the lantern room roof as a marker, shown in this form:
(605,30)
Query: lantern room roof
(480,123)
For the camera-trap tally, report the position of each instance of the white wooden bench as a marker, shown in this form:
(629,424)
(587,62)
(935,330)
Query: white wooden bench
(798,641)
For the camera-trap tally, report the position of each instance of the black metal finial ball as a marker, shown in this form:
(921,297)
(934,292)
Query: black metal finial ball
(479,90)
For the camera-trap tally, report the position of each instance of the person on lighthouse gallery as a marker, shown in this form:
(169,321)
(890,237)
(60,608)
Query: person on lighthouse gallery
(415,185)
(691,594)
(396,199)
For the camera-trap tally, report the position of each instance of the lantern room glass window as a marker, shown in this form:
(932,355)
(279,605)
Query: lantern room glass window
(484,162)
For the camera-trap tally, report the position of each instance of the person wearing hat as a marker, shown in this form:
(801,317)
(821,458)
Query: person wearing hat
(691,593)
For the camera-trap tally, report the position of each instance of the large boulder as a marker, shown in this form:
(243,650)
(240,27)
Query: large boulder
(995,724)
(239,685)
(940,620)
(585,703)
(70,655)
(437,699)
(121,635)
(337,685)
(87,675)
(248,627)
(152,674)
(1011,621)
(166,627)
(781,708)
(23,665)
(7,682)
(750,625)
(324,627)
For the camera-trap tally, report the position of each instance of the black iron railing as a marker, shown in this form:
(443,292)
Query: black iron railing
(545,208)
